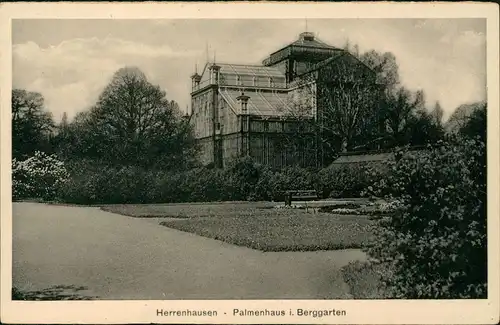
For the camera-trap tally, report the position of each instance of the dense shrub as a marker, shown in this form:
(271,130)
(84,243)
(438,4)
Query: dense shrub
(201,185)
(349,180)
(92,183)
(39,176)
(363,280)
(436,244)
(98,184)
(242,179)
(263,189)
(292,178)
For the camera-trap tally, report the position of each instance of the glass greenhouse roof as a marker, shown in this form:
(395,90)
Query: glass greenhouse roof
(252,70)
(259,103)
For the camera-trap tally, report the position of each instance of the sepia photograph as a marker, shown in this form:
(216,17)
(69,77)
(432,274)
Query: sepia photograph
(286,159)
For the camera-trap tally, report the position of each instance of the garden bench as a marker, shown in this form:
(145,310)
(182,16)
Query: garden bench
(302,195)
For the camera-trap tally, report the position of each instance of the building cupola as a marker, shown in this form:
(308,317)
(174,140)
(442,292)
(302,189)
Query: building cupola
(306,36)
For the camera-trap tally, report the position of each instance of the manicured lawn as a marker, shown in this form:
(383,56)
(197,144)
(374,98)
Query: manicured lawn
(258,226)
(186,210)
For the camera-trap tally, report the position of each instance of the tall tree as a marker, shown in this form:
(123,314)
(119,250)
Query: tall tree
(423,129)
(437,114)
(61,141)
(460,117)
(347,113)
(338,105)
(384,65)
(399,109)
(64,122)
(134,123)
(476,124)
(32,124)
(397,105)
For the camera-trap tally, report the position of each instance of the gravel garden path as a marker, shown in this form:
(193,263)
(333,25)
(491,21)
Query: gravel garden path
(84,252)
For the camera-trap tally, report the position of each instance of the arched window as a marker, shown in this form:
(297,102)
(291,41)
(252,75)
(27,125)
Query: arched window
(238,80)
(271,82)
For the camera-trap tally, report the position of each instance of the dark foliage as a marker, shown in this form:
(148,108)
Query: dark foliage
(435,245)
(476,125)
(92,183)
(32,124)
(132,123)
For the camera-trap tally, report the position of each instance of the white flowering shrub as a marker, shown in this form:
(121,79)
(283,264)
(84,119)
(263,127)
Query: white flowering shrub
(38,177)
(345,211)
(391,206)
(292,206)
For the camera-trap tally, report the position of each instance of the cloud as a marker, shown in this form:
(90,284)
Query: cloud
(72,74)
(451,71)
(444,57)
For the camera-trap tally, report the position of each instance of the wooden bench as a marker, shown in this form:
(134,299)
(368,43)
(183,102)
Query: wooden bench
(302,195)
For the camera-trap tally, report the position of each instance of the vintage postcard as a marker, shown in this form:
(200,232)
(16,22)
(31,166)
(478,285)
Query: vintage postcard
(250,163)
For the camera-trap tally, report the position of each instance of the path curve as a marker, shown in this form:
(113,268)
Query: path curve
(119,257)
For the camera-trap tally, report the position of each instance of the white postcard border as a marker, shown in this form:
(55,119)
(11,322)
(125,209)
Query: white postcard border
(357,311)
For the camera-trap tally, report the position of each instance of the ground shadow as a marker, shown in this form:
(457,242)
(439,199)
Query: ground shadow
(59,292)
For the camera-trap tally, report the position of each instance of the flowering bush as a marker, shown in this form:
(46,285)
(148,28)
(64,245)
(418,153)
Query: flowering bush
(292,206)
(345,211)
(39,176)
(435,245)
(388,207)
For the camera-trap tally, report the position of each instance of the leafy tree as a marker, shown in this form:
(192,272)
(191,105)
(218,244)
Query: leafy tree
(461,115)
(63,126)
(337,106)
(384,65)
(476,125)
(75,141)
(347,113)
(353,49)
(406,120)
(401,113)
(423,129)
(437,114)
(60,140)
(133,123)
(356,102)
(398,110)
(32,124)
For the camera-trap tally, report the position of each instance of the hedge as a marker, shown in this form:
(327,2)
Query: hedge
(94,183)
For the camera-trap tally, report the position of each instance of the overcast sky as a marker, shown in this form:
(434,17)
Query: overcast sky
(70,61)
